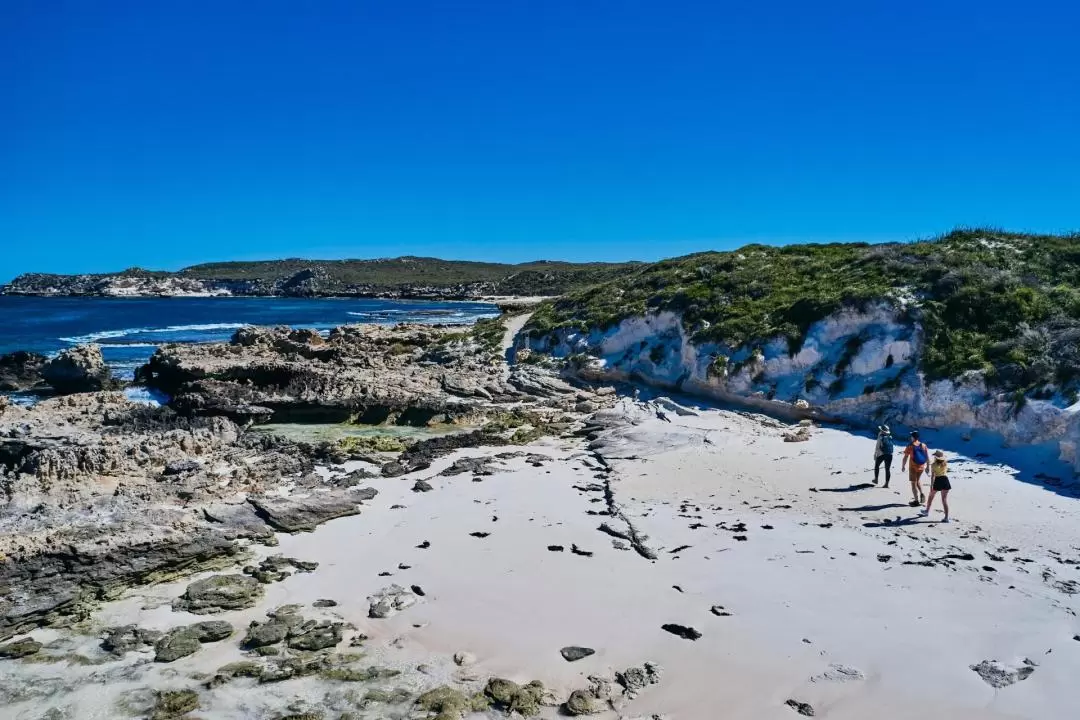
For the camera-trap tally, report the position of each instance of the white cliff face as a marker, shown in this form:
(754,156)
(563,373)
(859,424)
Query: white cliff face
(860,365)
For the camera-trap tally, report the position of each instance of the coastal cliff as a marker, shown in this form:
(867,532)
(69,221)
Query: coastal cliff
(976,331)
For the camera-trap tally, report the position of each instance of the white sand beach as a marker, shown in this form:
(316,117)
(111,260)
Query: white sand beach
(805,582)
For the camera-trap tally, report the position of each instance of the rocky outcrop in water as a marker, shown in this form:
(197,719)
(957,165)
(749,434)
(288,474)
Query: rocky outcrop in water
(21,370)
(408,375)
(80,369)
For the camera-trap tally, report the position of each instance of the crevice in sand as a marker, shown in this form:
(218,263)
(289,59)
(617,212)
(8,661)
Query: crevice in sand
(632,536)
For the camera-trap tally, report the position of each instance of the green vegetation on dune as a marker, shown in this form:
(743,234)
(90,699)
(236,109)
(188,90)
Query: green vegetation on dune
(540,278)
(1004,303)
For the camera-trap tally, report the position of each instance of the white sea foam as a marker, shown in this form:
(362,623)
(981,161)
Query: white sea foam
(125,332)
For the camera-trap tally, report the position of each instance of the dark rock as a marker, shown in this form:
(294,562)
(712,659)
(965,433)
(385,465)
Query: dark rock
(719,611)
(267,633)
(126,638)
(555,548)
(181,467)
(21,370)
(578,551)
(79,369)
(479,534)
(424,545)
(218,594)
(324,603)
(422,486)
(683,631)
(418,590)
(573,653)
(295,514)
(59,586)
(177,643)
(800,707)
(211,630)
(317,636)
(365,493)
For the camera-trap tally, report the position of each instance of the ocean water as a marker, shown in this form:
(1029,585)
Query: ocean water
(129,329)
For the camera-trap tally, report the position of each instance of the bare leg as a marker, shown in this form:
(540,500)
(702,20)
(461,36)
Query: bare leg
(930,500)
(945,502)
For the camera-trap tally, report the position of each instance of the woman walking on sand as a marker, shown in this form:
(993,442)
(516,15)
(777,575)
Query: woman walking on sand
(883,453)
(939,470)
(918,454)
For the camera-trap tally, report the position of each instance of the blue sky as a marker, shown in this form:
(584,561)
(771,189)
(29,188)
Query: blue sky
(168,133)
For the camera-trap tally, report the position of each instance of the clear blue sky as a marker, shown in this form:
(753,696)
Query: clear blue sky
(164,133)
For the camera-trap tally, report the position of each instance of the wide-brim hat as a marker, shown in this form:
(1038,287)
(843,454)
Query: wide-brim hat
(938,453)
(884,429)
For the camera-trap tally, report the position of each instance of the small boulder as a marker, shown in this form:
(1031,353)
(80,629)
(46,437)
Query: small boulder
(177,643)
(315,636)
(422,486)
(126,638)
(464,658)
(219,593)
(389,601)
(800,707)
(683,631)
(79,369)
(573,653)
(581,702)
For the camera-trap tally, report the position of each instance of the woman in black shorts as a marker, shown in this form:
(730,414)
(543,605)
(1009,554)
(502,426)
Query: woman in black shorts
(939,470)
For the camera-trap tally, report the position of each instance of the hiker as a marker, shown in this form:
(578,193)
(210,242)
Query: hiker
(883,453)
(918,454)
(939,471)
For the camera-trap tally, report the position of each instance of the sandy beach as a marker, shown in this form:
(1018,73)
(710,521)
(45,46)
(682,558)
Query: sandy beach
(806,582)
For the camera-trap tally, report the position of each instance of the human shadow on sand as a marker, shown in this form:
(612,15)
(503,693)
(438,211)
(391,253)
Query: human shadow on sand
(901,522)
(873,508)
(849,488)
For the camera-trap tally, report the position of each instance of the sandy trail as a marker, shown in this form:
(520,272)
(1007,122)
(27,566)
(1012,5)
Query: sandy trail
(818,580)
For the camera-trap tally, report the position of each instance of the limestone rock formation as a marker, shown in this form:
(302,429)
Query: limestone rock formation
(80,369)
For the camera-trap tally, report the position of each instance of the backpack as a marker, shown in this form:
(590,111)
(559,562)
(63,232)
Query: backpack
(919,456)
(886,445)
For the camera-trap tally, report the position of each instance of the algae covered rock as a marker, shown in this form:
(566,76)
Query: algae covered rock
(268,633)
(507,695)
(174,704)
(447,703)
(582,702)
(183,641)
(315,636)
(20,648)
(219,593)
(176,644)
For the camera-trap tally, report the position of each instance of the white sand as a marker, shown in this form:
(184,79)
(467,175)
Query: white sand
(803,596)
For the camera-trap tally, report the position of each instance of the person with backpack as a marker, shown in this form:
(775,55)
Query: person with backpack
(883,454)
(919,456)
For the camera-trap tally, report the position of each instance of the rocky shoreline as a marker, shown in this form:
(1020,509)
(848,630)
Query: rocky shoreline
(550,551)
(102,493)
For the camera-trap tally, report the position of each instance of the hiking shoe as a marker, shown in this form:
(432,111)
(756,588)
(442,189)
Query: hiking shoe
(924,512)
(944,520)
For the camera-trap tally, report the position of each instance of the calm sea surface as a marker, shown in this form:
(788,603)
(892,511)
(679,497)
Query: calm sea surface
(128,329)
